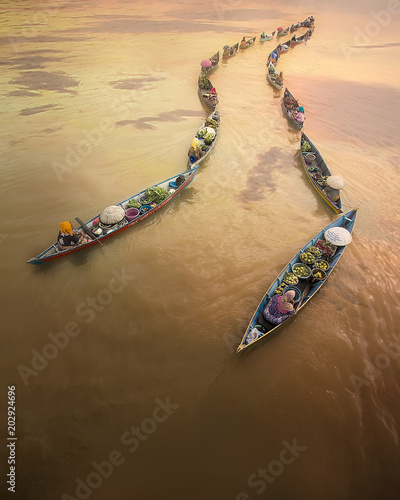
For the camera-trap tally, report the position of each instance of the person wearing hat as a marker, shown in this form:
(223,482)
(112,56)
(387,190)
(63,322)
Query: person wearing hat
(299,115)
(333,187)
(68,238)
(280,308)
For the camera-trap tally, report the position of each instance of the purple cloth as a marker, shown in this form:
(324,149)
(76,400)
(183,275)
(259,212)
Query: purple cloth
(272,314)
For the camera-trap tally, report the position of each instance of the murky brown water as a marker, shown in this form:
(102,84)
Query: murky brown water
(146,398)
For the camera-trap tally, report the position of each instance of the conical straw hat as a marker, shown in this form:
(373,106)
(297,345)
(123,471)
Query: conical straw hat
(112,215)
(335,182)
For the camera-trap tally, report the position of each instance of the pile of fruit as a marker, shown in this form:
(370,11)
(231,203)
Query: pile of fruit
(279,289)
(307,257)
(301,270)
(210,122)
(321,264)
(326,247)
(305,147)
(204,83)
(207,136)
(318,275)
(314,250)
(290,279)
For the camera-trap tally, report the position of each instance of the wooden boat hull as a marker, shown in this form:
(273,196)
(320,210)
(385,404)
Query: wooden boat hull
(283,33)
(272,82)
(287,113)
(234,49)
(322,169)
(249,43)
(204,99)
(268,37)
(213,67)
(215,116)
(347,221)
(52,253)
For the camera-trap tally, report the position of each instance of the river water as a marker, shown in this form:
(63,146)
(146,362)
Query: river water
(145,397)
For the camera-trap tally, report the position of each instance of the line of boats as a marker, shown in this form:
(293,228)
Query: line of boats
(306,272)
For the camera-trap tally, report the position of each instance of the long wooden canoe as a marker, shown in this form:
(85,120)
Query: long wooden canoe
(174,185)
(271,77)
(298,40)
(283,32)
(231,51)
(214,63)
(288,110)
(208,148)
(248,43)
(283,47)
(316,171)
(267,37)
(207,97)
(259,328)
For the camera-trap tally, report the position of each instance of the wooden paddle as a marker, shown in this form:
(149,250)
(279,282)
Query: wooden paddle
(87,230)
(303,295)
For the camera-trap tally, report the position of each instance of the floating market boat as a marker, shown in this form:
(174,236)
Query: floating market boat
(283,32)
(324,254)
(206,70)
(294,27)
(247,43)
(267,37)
(298,40)
(273,57)
(317,172)
(230,51)
(290,105)
(207,93)
(271,77)
(283,47)
(205,139)
(141,207)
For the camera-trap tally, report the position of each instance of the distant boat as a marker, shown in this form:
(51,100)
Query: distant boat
(283,47)
(283,32)
(265,38)
(271,77)
(214,63)
(230,51)
(316,171)
(297,40)
(207,93)
(213,121)
(290,105)
(173,186)
(259,327)
(245,44)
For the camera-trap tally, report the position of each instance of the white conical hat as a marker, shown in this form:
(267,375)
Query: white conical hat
(112,215)
(338,236)
(335,182)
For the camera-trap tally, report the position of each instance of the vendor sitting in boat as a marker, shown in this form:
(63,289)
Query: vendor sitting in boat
(298,116)
(243,42)
(279,78)
(68,237)
(280,307)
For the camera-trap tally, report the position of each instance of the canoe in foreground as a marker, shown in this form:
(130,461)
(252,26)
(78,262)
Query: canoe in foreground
(267,37)
(259,327)
(317,171)
(214,63)
(271,77)
(174,186)
(205,139)
(230,51)
(291,106)
(247,43)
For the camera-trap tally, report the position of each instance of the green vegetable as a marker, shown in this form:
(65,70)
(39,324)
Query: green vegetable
(155,194)
(133,203)
(305,146)
(307,257)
